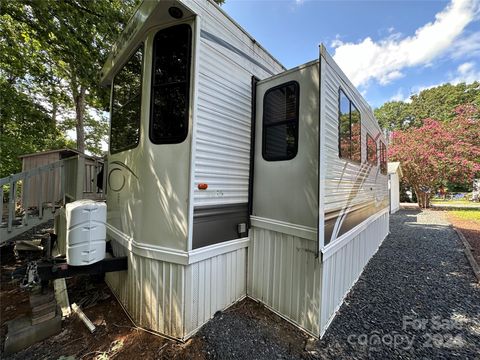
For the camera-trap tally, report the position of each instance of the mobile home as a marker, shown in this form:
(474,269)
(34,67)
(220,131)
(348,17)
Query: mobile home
(229,176)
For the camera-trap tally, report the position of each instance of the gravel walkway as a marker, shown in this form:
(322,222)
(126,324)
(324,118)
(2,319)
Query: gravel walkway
(417,298)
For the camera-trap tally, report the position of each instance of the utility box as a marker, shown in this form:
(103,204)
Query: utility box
(86,232)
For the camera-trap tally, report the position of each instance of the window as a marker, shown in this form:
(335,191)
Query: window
(371,150)
(126,103)
(280,122)
(349,129)
(383,158)
(170,85)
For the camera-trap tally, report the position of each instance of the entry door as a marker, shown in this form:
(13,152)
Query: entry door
(286,148)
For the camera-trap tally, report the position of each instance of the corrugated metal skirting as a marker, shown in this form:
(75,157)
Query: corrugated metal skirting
(212,285)
(342,269)
(177,300)
(284,274)
(151,291)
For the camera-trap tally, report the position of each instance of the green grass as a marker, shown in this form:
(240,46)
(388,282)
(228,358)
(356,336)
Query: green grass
(466,214)
(452,202)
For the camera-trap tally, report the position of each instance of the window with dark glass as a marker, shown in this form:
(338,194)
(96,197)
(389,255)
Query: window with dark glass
(170,85)
(280,122)
(349,129)
(126,104)
(371,150)
(383,158)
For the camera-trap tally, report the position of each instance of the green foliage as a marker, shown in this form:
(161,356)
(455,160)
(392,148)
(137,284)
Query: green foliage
(436,103)
(394,115)
(25,128)
(439,152)
(440,102)
(51,53)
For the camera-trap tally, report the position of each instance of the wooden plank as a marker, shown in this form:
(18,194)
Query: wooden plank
(468,254)
(1,203)
(61,295)
(62,182)
(80,177)
(52,187)
(11,205)
(40,198)
(25,190)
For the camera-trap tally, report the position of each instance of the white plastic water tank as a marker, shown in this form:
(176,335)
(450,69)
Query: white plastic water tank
(86,232)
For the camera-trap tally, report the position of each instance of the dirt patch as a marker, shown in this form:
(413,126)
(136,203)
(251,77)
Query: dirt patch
(471,230)
(246,330)
(115,337)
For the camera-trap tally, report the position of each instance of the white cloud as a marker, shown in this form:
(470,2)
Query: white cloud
(465,68)
(399,96)
(384,80)
(384,60)
(466,73)
(336,42)
(467,46)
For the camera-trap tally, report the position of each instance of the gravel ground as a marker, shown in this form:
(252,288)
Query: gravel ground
(417,299)
(249,331)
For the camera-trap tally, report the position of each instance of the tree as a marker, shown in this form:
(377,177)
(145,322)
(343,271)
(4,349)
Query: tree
(439,152)
(69,41)
(394,115)
(440,102)
(436,103)
(25,127)
(53,52)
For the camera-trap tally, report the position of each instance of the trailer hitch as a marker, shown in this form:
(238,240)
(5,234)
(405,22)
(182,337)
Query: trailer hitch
(40,271)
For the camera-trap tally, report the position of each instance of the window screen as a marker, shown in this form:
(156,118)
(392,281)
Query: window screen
(280,122)
(371,150)
(349,129)
(170,85)
(383,158)
(126,103)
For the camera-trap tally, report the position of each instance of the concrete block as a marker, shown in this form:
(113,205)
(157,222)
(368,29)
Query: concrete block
(41,318)
(40,299)
(22,334)
(44,309)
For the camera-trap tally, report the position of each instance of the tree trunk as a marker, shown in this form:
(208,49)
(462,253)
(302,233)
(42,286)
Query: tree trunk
(54,113)
(79,99)
(423,198)
(420,197)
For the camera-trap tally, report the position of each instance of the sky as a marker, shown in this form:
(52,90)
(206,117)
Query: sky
(389,49)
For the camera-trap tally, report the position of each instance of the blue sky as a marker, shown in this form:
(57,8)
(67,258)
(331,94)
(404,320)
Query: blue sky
(389,49)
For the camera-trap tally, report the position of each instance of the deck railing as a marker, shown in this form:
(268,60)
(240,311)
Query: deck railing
(50,186)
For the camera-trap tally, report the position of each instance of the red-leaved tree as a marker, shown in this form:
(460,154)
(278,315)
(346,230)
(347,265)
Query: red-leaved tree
(438,152)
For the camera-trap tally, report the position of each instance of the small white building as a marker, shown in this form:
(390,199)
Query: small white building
(394,176)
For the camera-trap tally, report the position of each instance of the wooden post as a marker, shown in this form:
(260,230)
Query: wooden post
(52,176)
(11,204)
(1,203)
(40,197)
(25,190)
(62,181)
(80,177)
(95,172)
